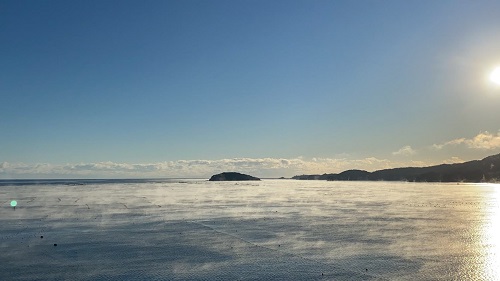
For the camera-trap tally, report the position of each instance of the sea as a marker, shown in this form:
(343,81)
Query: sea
(194,229)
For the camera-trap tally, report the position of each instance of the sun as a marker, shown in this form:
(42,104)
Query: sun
(495,76)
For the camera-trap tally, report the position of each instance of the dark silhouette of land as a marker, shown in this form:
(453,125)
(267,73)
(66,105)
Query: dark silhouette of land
(485,170)
(232,176)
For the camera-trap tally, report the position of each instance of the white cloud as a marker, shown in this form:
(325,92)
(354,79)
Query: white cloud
(453,160)
(449,143)
(262,167)
(484,141)
(405,151)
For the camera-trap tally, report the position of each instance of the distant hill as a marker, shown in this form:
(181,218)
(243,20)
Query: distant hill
(485,170)
(231,176)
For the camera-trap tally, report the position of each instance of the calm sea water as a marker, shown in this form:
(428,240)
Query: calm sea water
(268,230)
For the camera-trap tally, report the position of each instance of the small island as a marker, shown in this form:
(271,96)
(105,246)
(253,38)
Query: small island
(232,176)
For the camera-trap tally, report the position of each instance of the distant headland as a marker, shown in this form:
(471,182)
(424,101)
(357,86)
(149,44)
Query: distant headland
(485,170)
(232,176)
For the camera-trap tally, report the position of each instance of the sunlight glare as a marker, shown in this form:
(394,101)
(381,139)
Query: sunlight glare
(495,76)
(491,237)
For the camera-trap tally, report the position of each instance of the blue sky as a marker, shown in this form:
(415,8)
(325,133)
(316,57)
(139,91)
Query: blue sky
(326,84)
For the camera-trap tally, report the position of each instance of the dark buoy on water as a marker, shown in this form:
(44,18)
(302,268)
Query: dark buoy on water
(55,245)
(41,237)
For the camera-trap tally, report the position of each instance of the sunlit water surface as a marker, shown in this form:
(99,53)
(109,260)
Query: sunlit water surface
(268,230)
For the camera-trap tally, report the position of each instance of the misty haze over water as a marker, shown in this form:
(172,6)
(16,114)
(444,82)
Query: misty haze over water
(267,230)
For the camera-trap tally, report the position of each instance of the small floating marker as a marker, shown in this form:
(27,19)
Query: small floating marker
(55,245)
(13,204)
(41,237)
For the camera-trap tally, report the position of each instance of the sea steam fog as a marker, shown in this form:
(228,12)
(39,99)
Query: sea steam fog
(268,230)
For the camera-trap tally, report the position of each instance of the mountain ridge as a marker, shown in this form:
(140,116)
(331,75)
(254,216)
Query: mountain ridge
(485,170)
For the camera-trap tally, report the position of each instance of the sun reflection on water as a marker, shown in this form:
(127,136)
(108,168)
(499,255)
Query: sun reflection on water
(491,235)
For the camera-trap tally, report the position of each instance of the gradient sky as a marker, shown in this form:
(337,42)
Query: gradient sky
(117,85)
